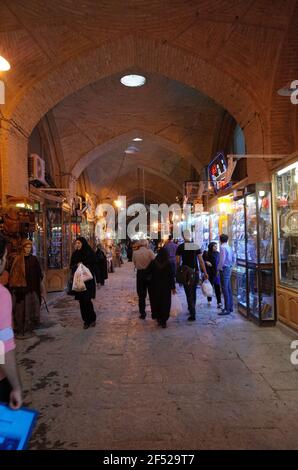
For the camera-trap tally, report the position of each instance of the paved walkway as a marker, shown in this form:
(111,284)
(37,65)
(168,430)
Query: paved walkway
(218,383)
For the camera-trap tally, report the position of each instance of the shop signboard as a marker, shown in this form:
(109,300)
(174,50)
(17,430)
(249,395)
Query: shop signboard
(220,172)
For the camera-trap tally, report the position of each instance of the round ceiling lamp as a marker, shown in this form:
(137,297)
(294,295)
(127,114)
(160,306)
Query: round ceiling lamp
(4,64)
(131,149)
(133,80)
(137,139)
(286,90)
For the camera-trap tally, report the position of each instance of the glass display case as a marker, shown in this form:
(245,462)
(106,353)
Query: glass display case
(201,231)
(238,229)
(66,239)
(237,240)
(214,227)
(259,255)
(38,239)
(286,204)
(241,277)
(54,237)
(206,231)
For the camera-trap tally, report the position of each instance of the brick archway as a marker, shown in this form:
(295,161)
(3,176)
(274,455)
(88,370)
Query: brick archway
(131,53)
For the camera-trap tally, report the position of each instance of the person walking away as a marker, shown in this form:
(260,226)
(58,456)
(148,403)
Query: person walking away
(141,259)
(226,261)
(171,249)
(84,254)
(211,258)
(10,385)
(25,281)
(161,286)
(189,255)
(129,251)
(101,264)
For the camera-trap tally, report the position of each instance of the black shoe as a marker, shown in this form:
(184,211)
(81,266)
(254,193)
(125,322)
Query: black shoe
(142,316)
(86,326)
(163,324)
(224,312)
(191,318)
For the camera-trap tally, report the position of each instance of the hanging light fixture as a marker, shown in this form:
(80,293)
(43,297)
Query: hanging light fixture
(137,139)
(4,64)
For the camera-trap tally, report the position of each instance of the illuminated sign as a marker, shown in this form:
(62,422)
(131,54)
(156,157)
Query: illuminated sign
(217,171)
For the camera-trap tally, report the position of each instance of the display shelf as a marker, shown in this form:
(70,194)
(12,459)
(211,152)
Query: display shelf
(286,209)
(259,261)
(54,238)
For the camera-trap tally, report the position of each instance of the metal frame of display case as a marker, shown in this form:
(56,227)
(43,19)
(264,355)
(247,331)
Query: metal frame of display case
(57,276)
(259,266)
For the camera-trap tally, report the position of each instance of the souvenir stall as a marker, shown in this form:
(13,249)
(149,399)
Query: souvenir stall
(285,196)
(18,222)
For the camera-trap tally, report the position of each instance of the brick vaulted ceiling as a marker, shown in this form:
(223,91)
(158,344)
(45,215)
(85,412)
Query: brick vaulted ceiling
(201,58)
(177,124)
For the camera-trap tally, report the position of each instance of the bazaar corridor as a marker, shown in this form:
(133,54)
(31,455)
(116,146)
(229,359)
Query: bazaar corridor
(219,382)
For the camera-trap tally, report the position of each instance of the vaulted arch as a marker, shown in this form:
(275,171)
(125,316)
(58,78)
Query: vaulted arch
(133,52)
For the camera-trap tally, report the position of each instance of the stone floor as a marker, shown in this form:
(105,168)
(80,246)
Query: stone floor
(218,383)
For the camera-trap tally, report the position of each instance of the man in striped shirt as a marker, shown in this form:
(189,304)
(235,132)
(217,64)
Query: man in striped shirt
(10,386)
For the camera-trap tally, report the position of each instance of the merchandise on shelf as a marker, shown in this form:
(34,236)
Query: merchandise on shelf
(54,237)
(286,189)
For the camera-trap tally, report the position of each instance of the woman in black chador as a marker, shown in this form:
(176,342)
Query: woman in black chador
(84,254)
(161,285)
(102,264)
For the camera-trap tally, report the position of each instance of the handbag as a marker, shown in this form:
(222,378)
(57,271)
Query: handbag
(69,290)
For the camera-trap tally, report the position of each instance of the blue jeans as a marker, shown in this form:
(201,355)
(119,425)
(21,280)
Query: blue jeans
(225,280)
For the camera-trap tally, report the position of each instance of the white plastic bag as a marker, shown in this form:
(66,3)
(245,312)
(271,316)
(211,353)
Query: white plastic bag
(78,284)
(207,288)
(86,273)
(176,307)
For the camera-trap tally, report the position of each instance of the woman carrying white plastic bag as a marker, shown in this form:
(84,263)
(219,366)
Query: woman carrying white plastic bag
(207,289)
(78,284)
(83,265)
(176,306)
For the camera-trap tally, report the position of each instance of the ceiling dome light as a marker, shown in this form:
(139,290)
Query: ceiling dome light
(137,139)
(133,80)
(132,149)
(4,64)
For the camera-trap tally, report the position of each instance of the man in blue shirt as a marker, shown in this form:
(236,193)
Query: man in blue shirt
(171,248)
(226,261)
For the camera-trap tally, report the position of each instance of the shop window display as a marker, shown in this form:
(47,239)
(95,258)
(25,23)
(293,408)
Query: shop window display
(252,244)
(54,238)
(287,225)
(260,279)
(214,227)
(238,229)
